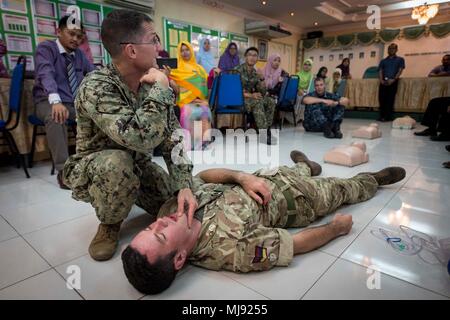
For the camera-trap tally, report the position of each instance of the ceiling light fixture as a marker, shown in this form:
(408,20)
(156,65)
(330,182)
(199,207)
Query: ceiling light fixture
(424,13)
(264,3)
(292,14)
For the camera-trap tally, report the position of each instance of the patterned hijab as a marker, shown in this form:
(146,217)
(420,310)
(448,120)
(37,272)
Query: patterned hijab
(190,76)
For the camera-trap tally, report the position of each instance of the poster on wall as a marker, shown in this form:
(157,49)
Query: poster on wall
(45,8)
(44,38)
(19,43)
(263,49)
(14,5)
(92,33)
(15,23)
(13,58)
(46,26)
(224,42)
(91,17)
(96,49)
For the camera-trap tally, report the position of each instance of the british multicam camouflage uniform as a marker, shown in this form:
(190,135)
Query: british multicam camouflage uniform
(117,131)
(240,235)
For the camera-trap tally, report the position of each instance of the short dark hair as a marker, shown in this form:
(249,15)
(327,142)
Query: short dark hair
(317,79)
(62,23)
(251,49)
(148,278)
(122,26)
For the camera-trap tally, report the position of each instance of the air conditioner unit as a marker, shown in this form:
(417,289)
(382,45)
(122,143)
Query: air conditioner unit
(265,30)
(145,5)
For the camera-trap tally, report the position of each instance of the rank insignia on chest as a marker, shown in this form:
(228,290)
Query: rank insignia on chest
(260,255)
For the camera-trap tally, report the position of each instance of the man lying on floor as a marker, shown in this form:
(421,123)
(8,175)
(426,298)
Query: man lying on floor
(241,219)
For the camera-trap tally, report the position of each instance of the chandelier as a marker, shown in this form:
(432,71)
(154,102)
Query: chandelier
(424,13)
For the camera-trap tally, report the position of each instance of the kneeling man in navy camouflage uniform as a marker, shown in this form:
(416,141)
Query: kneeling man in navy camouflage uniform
(241,220)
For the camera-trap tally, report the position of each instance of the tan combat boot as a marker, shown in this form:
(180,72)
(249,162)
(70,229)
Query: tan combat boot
(105,242)
(298,156)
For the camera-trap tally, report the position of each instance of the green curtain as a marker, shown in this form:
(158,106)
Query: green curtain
(440,30)
(345,39)
(387,35)
(366,37)
(326,42)
(413,33)
(309,43)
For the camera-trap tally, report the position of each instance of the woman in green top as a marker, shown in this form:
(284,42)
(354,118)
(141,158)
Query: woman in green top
(306,77)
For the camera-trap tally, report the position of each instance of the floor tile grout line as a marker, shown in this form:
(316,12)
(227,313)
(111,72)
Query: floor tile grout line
(320,277)
(397,278)
(244,285)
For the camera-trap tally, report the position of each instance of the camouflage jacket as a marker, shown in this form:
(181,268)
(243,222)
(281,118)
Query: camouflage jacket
(251,81)
(111,116)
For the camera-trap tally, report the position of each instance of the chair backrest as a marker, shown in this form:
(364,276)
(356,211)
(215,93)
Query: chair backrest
(227,93)
(371,73)
(17,80)
(289,91)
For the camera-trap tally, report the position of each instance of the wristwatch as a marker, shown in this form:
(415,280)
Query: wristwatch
(56,102)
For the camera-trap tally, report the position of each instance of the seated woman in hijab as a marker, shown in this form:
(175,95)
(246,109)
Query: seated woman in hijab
(192,101)
(205,56)
(335,82)
(306,77)
(274,75)
(230,58)
(345,68)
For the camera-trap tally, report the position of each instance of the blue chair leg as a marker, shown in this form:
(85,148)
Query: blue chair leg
(15,150)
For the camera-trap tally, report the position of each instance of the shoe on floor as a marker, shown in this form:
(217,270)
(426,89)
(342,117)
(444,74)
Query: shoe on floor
(447,148)
(337,131)
(446,164)
(327,131)
(61,182)
(425,133)
(388,175)
(441,137)
(105,242)
(298,156)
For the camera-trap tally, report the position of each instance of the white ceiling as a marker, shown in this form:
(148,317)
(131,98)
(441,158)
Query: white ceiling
(333,12)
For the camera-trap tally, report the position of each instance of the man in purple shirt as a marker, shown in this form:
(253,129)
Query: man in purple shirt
(60,68)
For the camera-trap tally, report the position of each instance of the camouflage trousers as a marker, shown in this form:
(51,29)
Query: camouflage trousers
(112,181)
(263,111)
(317,115)
(313,197)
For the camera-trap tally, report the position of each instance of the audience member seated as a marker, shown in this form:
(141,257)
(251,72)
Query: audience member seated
(191,78)
(256,100)
(205,56)
(345,68)
(230,58)
(442,70)
(60,68)
(322,73)
(437,119)
(324,111)
(306,78)
(335,81)
(274,75)
(3,51)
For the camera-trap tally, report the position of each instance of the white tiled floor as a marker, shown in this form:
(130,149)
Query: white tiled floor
(43,232)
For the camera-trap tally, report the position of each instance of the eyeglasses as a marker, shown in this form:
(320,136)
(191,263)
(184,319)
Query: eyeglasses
(154,42)
(307,64)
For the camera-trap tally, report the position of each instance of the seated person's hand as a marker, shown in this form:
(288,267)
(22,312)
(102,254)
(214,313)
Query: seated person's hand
(153,76)
(186,198)
(166,70)
(257,95)
(330,103)
(217,71)
(248,95)
(255,187)
(200,101)
(60,113)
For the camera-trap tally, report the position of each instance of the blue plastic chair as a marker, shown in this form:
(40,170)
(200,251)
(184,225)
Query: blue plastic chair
(227,95)
(15,102)
(36,122)
(288,96)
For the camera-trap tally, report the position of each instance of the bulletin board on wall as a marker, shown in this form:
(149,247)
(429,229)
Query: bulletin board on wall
(177,31)
(26,23)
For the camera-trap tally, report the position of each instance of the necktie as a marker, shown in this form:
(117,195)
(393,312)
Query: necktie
(73,82)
